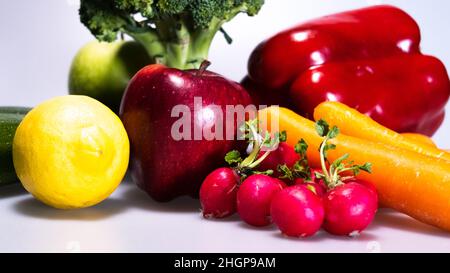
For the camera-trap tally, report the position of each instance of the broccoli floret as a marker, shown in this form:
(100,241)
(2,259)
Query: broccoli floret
(177,33)
(102,19)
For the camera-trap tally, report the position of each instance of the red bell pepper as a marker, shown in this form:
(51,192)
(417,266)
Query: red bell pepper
(368,58)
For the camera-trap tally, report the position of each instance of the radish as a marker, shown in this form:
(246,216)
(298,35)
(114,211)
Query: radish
(297,211)
(218,193)
(317,185)
(365,183)
(254,197)
(349,209)
(284,154)
(350,203)
(319,189)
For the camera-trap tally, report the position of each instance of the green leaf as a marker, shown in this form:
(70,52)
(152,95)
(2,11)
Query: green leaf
(356,170)
(233,157)
(326,148)
(329,147)
(319,175)
(267,140)
(322,127)
(301,147)
(334,132)
(282,137)
(243,127)
(286,173)
(246,127)
(298,166)
(367,167)
(266,172)
(338,163)
(301,169)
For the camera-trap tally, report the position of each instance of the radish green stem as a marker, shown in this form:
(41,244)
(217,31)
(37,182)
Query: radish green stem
(256,147)
(322,161)
(261,159)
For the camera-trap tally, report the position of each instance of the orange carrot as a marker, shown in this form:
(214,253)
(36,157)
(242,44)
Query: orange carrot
(353,123)
(420,139)
(409,182)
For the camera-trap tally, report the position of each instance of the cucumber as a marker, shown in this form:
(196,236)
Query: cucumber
(10,118)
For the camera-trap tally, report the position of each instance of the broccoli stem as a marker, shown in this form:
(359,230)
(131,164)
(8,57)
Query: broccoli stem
(176,44)
(175,36)
(152,44)
(201,42)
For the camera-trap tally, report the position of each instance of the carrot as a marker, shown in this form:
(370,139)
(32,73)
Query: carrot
(353,123)
(420,139)
(406,181)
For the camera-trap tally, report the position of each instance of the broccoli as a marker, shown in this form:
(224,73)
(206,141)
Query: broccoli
(177,33)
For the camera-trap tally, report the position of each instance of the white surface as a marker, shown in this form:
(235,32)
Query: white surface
(39,39)
(130,222)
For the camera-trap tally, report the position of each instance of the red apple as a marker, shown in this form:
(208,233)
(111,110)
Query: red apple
(162,164)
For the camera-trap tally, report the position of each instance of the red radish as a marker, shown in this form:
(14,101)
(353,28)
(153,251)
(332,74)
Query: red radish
(318,185)
(319,189)
(365,183)
(313,175)
(218,193)
(284,154)
(349,209)
(299,181)
(297,211)
(254,197)
(350,204)
(321,186)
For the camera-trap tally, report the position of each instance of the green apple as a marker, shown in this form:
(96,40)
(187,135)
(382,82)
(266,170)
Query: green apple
(102,70)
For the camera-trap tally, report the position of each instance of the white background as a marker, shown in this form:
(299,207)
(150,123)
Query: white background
(37,42)
(39,38)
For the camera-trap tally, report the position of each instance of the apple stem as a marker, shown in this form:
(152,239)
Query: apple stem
(203,66)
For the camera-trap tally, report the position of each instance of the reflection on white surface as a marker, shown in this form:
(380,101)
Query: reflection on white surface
(130,221)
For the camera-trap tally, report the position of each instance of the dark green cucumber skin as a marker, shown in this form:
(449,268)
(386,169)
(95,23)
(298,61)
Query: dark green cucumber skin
(10,118)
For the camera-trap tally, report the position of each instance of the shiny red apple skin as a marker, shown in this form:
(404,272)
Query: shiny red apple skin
(163,167)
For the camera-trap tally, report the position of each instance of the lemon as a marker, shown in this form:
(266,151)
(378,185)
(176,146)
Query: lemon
(71,152)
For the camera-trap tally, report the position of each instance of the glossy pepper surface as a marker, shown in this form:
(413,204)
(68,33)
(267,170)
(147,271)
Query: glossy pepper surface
(369,59)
